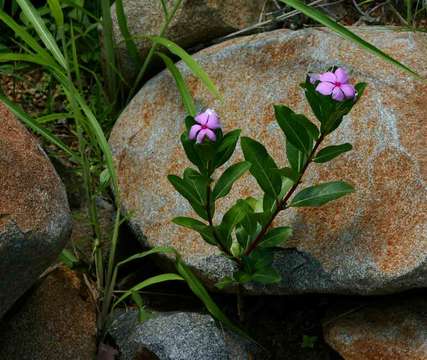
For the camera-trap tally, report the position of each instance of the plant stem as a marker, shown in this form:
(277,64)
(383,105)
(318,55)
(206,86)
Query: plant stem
(283,204)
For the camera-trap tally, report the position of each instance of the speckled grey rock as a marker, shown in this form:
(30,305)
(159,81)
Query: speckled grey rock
(390,330)
(179,336)
(196,21)
(35,220)
(373,241)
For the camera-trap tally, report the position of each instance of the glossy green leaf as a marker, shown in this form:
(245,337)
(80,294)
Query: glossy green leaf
(231,218)
(185,190)
(294,130)
(191,152)
(288,173)
(186,97)
(331,152)
(321,194)
(276,236)
(193,224)
(228,178)
(296,158)
(266,276)
(323,19)
(226,148)
(195,68)
(262,164)
(198,184)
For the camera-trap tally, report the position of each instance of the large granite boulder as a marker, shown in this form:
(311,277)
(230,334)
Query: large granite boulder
(178,336)
(392,331)
(196,21)
(371,242)
(34,216)
(55,321)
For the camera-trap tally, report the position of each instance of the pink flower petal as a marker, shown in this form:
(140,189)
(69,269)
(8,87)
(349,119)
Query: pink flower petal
(328,76)
(202,118)
(314,78)
(211,135)
(348,90)
(325,88)
(193,131)
(213,119)
(341,75)
(337,94)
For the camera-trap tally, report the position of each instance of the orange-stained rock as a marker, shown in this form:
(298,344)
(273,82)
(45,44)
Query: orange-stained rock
(373,241)
(34,216)
(196,22)
(390,331)
(56,321)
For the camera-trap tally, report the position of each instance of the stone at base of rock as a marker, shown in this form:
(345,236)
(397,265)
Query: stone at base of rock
(178,336)
(394,330)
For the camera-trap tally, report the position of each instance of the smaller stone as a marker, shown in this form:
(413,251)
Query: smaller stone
(178,336)
(56,321)
(392,331)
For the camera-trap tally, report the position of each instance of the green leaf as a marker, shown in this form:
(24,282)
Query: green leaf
(124,29)
(32,124)
(312,129)
(56,11)
(148,282)
(198,289)
(185,190)
(288,173)
(193,224)
(294,130)
(41,29)
(191,152)
(321,194)
(198,184)
(262,164)
(226,148)
(68,259)
(276,236)
(233,217)
(227,179)
(331,152)
(189,61)
(224,282)
(186,97)
(296,158)
(323,19)
(266,276)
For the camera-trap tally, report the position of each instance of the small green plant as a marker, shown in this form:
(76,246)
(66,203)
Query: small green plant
(246,234)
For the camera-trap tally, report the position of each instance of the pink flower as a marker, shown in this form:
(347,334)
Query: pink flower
(208,121)
(336,83)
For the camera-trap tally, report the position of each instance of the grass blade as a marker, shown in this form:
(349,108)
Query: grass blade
(33,125)
(25,36)
(150,281)
(56,11)
(199,290)
(187,99)
(323,19)
(33,16)
(195,68)
(124,29)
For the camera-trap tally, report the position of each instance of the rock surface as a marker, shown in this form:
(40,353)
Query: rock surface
(34,216)
(196,21)
(177,336)
(373,241)
(56,321)
(394,332)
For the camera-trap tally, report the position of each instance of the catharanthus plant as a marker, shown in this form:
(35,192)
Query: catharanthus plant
(246,234)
